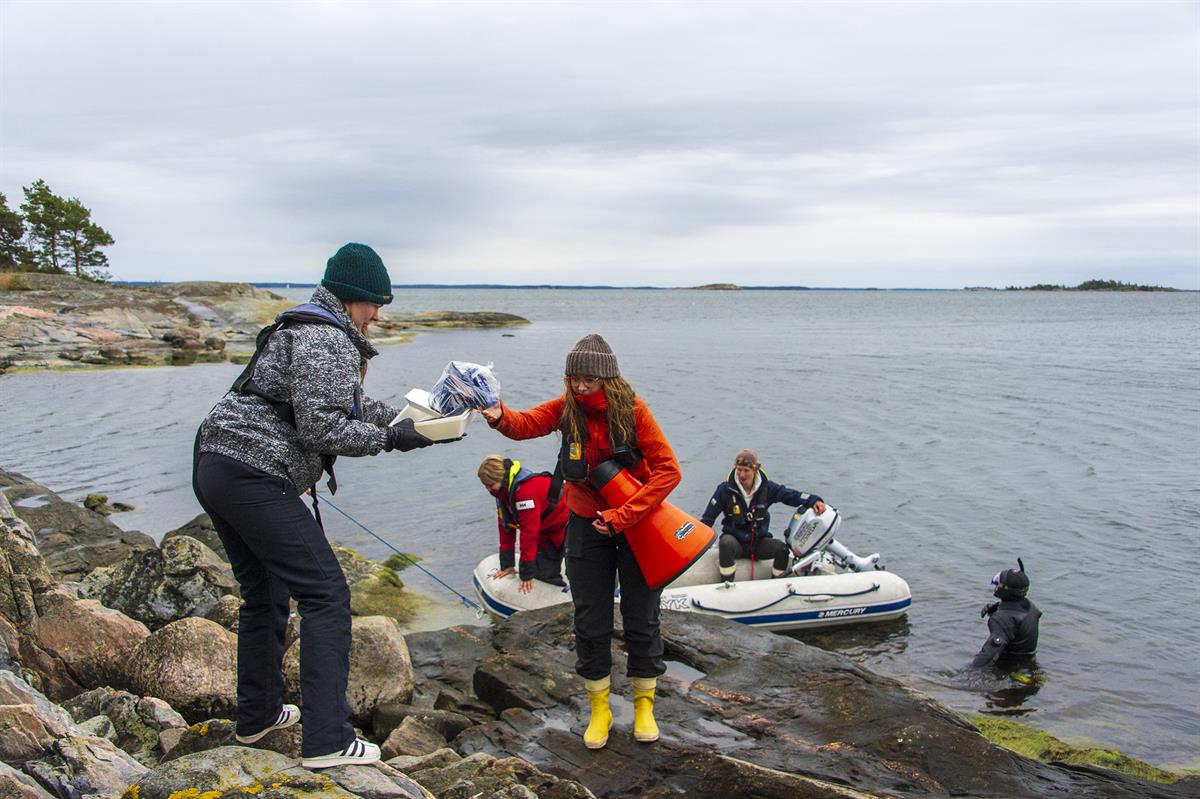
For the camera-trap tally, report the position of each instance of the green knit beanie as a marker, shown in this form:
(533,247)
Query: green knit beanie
(356,272)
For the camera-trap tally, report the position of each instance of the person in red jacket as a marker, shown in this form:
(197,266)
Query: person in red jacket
(530,505)
(600,419)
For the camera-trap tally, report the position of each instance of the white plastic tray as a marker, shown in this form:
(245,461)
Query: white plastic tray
(429,422)
(415,413)
(445,428)
(419,398)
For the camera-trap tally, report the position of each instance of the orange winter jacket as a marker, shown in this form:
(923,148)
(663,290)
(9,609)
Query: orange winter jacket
(658,470)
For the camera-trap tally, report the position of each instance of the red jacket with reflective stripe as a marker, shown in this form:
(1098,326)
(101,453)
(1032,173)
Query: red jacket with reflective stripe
(529,499)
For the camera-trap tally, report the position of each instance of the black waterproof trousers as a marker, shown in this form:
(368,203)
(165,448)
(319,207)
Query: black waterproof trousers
(278,551)
(594,562)
(548,566)
(730,549)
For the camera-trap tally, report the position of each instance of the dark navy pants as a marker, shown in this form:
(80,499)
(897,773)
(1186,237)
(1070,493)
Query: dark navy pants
(594,561)
(278,551)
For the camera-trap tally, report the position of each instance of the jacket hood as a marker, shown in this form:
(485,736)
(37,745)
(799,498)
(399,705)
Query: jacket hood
(760,478)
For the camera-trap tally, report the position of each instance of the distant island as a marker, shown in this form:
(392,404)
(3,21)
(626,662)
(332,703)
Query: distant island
(54,320)
(1091,285)
(717,287)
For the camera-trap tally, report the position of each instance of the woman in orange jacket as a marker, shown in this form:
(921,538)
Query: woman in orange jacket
(600,418)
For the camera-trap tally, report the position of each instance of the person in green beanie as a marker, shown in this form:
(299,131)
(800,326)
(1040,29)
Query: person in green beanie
(295,408)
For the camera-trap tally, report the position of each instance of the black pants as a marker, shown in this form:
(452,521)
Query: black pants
(278,551)
(593,563)
(730,548)
(548,566)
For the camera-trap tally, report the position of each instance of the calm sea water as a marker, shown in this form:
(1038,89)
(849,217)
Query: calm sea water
(954,430)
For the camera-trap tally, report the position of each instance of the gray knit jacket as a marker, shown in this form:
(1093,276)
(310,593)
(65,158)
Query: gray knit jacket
(315,367)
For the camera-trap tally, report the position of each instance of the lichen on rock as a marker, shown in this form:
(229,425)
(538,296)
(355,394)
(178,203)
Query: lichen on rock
(1042,746)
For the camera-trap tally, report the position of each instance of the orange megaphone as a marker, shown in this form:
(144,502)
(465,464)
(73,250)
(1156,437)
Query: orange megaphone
(666,541)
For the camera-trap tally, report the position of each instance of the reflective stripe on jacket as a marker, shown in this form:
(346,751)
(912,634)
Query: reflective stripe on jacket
(519,511)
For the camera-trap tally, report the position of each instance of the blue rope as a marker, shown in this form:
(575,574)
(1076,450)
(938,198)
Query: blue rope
(470,603)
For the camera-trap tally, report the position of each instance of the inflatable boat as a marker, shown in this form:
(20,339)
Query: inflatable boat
(828,585)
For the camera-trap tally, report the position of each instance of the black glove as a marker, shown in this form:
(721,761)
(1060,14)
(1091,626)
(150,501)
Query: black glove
(404,437)
(988,610)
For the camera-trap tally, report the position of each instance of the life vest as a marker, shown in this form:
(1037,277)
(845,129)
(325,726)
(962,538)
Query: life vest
(572,466)
(737,507)
(515,474)
(744,519)
(309,314)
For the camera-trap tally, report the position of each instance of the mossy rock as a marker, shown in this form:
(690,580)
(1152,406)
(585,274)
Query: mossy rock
(97,503)
(1032,743)
(381,595)
(375,588)
(399,563)
(456,319)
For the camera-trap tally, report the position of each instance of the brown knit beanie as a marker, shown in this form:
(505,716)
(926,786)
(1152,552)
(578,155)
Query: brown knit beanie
(592,357)
(747,458)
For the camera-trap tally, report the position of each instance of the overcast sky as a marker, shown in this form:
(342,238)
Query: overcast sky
(848,144)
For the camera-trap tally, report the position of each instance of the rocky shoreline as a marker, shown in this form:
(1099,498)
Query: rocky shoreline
(58,321)
(117,680)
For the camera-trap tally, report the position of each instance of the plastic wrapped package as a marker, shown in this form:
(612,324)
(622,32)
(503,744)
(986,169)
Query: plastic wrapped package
(464,386)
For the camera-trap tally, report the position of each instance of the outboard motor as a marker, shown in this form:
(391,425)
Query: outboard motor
(809,534)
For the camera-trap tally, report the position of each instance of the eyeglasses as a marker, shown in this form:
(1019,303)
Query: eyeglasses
(589,382)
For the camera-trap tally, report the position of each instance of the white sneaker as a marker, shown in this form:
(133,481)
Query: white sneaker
(288,716)
(358,753)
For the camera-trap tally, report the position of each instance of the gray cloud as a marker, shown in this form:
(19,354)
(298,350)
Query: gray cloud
(865,144)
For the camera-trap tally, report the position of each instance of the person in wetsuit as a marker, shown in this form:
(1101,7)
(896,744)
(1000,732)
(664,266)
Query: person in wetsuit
(1012,622)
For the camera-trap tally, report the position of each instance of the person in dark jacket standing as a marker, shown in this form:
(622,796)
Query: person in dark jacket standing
(1012,622)
(526,510)
(745,529)
(263,446)
(601,419)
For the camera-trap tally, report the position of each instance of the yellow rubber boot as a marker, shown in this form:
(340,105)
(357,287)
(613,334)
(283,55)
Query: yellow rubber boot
(644,727)
(596,734)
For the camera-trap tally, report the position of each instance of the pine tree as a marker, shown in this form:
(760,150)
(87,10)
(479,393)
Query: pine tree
(13,252)
(43,218)
(62,233)
(82,240)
